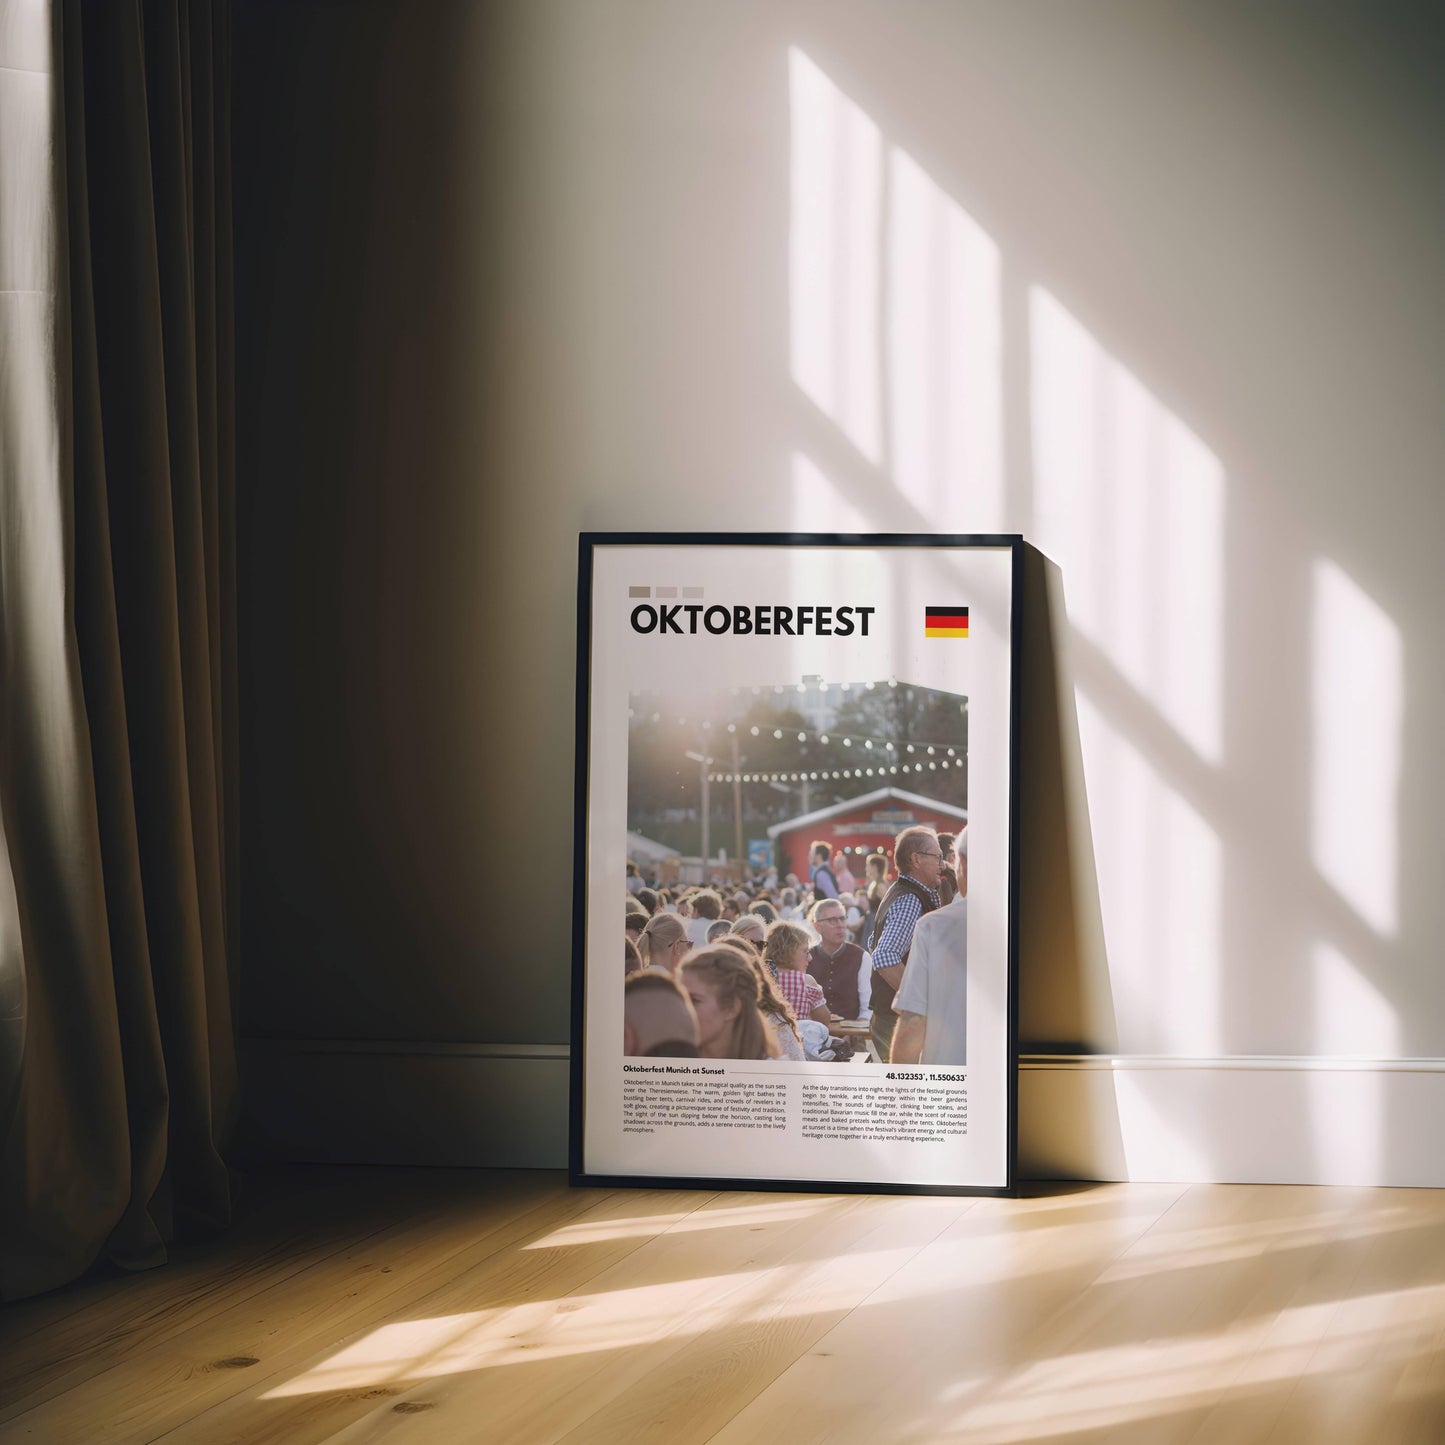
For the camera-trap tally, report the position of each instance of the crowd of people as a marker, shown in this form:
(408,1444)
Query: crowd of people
(772,969)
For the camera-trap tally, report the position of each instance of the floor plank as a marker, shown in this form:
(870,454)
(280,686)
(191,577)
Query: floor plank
(290,1220)
(308,1394)
(984,1287)
(425,1306)
(695,1392)
(536,1374)
(138,1394)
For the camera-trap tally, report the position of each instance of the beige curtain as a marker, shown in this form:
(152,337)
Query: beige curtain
(117,657)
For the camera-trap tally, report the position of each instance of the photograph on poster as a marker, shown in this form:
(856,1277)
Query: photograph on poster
(840,775)
(796,795)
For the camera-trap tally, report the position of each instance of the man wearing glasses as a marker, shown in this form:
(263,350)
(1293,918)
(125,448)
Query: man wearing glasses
(844,970)
(914,892)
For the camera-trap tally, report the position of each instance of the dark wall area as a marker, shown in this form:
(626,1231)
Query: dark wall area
(381,821)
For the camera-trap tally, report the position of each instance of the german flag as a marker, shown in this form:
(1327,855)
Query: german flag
(945,622)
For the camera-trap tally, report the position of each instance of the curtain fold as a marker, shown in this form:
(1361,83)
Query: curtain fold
(123,859)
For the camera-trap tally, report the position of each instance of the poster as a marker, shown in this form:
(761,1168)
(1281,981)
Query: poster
(835,1010)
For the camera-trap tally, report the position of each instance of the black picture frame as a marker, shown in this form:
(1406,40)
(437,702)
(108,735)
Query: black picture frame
(588,544)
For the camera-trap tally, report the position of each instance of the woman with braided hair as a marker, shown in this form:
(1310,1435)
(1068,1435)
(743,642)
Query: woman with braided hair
(777,1011)
(727,996)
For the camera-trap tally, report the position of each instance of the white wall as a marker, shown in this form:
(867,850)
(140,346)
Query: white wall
(1159,287)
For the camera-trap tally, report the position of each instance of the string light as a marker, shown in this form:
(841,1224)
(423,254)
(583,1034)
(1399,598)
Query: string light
(826,775)
(822,738)
(931,750)
(809,684)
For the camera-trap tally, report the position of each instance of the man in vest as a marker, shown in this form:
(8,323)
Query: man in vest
(843,970)
(919,860)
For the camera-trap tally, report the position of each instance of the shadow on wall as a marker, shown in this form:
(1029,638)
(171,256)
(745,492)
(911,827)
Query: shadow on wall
(941,386)
(1107,276)
(918,403)
(1066,1002)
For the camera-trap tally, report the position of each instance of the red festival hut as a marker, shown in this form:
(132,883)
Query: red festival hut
(859,826)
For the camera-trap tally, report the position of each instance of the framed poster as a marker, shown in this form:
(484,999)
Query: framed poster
(834,1009)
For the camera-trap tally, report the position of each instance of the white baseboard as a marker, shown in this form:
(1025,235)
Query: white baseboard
(1232,1120)
(1221,1120)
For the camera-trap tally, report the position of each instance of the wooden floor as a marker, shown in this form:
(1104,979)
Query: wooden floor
(352,1305)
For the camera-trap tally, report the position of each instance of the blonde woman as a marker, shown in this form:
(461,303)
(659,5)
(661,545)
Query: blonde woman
(726,995)
(776,1009)
(664,942)
(785,954)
